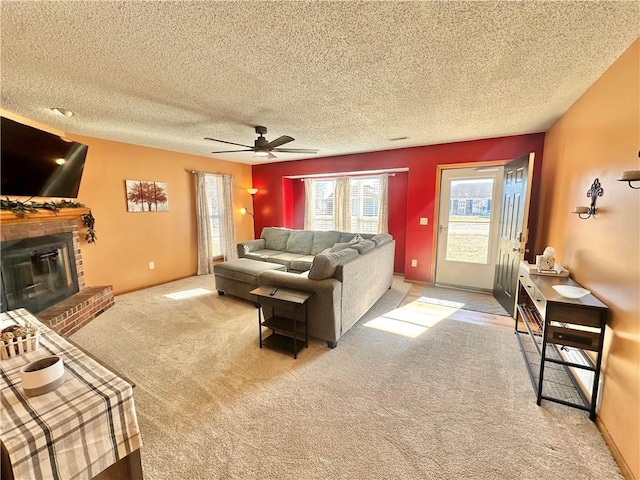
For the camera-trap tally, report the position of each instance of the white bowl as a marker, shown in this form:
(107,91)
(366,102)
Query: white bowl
(571,292)
(42,376)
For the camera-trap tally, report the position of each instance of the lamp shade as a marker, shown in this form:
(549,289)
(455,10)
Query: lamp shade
(252,191)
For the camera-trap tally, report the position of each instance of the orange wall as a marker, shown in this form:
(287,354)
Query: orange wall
(599,137)
(127,242)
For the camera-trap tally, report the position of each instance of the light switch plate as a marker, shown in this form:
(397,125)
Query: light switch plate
(424,221)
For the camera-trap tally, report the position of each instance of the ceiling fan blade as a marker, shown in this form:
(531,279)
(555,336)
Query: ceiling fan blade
(233,151)
(279,141)
(230,143)
(295,150)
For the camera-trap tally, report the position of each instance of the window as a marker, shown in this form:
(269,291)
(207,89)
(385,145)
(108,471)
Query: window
(364,204)
(364,196)
(323,208)
(215,208)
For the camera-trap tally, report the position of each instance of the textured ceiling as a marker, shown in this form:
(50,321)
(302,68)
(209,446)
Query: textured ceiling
(342,77)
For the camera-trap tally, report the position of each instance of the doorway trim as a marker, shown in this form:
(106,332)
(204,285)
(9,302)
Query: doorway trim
(436,207)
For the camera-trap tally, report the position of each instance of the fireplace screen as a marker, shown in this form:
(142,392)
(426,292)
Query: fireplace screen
(38,272)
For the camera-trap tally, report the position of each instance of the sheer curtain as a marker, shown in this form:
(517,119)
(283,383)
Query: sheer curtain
(383,213)
(342,205)
(309,204)
(228,225)
(224,190)
(203,224)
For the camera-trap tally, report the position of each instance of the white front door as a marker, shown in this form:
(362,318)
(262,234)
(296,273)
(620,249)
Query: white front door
(468,220)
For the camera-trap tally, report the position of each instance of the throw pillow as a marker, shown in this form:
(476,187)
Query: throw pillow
(364,246)
(356,239)
(338,246)
(381,239)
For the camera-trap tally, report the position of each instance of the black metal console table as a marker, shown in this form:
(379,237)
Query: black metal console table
(549,326)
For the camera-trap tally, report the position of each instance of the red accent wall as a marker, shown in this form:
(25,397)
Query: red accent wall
(411,194)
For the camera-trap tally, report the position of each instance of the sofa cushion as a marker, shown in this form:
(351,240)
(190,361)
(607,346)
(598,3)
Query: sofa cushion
(363,246)
(301,264)
(324,264)
(284,258)
(261,254)
(243,270)
(324,240)
(300,241)
(381,238)
(275,238)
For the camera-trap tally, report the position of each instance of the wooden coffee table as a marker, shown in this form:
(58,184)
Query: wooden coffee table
(284,311)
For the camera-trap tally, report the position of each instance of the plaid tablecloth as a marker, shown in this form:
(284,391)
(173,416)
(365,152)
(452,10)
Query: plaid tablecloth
(74,432)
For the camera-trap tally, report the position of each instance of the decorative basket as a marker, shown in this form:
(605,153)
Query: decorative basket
(18,340)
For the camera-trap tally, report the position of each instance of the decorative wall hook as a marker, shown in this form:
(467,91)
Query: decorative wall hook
(594,192)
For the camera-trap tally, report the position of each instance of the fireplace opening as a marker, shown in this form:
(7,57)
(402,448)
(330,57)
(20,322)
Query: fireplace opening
(37,272)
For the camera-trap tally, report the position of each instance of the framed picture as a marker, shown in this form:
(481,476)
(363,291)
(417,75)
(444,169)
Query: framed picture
(146,196)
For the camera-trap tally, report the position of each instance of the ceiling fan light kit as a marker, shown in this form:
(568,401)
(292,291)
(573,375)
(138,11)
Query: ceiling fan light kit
(263,148)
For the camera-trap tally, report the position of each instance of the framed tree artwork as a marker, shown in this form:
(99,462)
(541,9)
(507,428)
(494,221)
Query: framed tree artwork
(146,196)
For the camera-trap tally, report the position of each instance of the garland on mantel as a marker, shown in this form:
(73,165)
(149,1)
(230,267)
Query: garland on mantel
(22,209)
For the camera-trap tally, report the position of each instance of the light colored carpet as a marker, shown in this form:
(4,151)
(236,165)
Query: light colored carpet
(443,400)
(464,299)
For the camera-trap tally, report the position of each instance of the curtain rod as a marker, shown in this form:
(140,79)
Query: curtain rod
(209,173)
(342,176)
(390,171)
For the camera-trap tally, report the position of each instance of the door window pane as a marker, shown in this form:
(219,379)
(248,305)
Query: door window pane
(469,216)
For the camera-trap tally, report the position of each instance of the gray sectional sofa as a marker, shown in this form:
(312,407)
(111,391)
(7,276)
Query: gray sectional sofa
(347,272)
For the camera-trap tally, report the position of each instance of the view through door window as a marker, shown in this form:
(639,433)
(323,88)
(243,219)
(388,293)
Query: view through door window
(469,217)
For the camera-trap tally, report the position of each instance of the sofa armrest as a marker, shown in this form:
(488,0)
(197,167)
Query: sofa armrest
(250,246)
(324,308)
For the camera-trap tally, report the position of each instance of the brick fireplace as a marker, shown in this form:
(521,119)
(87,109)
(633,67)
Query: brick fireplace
(78,309)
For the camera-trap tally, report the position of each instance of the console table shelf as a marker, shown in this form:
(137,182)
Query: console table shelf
(549,328)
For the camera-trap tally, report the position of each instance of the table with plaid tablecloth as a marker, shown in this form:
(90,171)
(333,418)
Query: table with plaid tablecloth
(73,432)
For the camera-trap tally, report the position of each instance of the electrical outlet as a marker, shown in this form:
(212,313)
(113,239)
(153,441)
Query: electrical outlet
(424,221)
(152,265)
(414,263)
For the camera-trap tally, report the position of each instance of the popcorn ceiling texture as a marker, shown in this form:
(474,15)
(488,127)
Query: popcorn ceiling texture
(342,77)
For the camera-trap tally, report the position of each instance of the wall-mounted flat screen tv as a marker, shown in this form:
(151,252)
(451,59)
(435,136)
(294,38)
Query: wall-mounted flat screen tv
(35,163)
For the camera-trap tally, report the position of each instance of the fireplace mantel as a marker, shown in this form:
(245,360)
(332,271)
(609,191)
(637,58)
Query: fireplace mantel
(8,218)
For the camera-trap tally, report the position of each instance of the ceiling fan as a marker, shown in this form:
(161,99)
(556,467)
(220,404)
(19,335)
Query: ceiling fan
(263,148)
